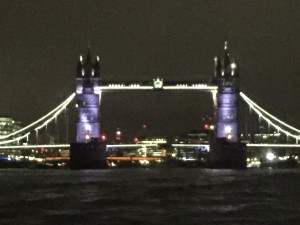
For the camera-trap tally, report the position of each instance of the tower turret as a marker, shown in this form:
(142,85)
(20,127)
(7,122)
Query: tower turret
(218,67)
(226,61)
(96,68)
(234,68)
(79,67)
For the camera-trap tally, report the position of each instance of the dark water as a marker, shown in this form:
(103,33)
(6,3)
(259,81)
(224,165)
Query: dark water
(150,196)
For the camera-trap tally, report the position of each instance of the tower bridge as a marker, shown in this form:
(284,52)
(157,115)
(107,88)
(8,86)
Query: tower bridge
(226,148)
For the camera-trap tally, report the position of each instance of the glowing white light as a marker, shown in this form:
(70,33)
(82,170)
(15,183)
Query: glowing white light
(132,146)
(113,87)
(270,156)
(214,97)
(203,87)
(157,83)
(34,146)
(88,127)
(16,139)
(233,66)
(185,87)
(225,45)
(228,129)
(216,59)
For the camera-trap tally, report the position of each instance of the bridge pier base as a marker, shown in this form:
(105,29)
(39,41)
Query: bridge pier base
(87,156)
(226,155)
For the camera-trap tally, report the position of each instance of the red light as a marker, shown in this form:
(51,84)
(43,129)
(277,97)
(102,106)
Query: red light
(118,138)
(206,126)
(135,140)
(144,126)
(103,137)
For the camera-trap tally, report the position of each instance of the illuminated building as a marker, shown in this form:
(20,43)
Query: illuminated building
(193,137)
(8,125)
(88,96)
(227,78)
(227,151)
(88,152)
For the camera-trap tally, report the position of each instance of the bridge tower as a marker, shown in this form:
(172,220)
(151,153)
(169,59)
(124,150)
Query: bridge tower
(226,149)
(88,96)
(87,152)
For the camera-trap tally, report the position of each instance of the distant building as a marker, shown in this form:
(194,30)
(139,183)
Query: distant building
(8,125)
(264,138)
(193,137)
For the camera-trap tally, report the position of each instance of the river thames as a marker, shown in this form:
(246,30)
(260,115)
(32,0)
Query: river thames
(188,196)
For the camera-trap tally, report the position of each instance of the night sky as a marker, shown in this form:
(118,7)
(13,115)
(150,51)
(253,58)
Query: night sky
(40,43)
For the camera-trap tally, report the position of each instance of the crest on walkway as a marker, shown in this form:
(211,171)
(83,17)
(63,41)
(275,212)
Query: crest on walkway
(158,83)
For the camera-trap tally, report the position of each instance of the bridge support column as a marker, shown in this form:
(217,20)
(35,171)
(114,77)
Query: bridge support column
(226,149)
(90,155)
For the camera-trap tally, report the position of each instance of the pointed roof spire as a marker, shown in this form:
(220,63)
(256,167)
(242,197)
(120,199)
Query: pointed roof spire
(79,67)
(88,63)
(234,68)
(226,60)
(88,55)
(97,67)
(218,67)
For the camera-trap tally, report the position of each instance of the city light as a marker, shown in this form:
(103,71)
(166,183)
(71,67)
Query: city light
(270,156)
(103,138)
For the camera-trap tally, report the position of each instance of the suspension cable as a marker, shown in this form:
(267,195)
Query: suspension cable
(59,107)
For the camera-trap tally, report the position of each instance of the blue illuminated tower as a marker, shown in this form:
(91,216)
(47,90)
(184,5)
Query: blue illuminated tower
(88,152)
(227,78)
(88,96)
(226,149)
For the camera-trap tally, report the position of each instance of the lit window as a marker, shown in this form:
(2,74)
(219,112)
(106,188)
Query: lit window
(228,129)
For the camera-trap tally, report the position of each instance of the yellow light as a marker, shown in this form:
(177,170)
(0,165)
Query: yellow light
(233,65)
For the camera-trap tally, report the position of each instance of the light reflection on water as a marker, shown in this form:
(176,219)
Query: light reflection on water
(149,196)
